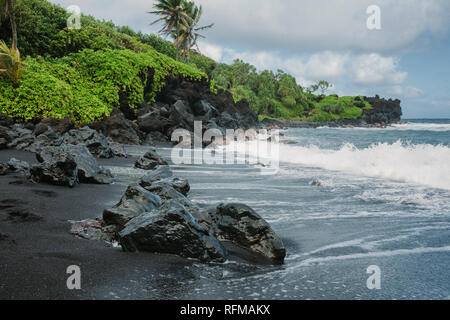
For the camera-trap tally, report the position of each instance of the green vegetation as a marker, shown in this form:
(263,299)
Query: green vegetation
(83,74)
(10,62)
(7,11)
(86,85)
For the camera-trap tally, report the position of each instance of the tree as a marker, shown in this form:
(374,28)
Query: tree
(173,14)
(7,10)
(10,62)
(324,86)
(188,32)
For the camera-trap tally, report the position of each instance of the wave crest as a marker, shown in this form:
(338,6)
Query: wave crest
(421,164)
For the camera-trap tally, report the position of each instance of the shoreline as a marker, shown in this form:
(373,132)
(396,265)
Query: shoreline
(271,123)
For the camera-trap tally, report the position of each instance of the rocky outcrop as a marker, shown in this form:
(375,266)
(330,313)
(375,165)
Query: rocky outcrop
(67,165)
(134,202)
(171,229)
(150,161)
(156,216)
(383,111)
(15,166)
(56,167)
(242,226)
(182,102)
(58,125)
(119,128)
(88,169)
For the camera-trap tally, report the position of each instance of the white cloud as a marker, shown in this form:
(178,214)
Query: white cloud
(292,25)
(374,69)
(213,51)
(405,92)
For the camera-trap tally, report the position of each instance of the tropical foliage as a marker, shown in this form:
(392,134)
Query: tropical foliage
(10,62)
(81,73)
(180,19)
(7,11)
(87,85)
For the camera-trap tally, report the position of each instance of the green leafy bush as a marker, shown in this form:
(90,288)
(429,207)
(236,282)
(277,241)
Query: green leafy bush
(86,85)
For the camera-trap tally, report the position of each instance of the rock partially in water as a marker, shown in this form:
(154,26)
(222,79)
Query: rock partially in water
(242,226)
(160,173)
(171,229)
(150,161)
(56,167)
(165,190)
(134,202)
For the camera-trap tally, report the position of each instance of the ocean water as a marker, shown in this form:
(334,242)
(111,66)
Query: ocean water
(342,201)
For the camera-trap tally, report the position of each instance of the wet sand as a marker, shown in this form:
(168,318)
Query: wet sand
(37,247)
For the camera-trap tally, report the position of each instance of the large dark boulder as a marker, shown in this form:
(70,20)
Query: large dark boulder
(88,169)
(150,161)
(134,202)
(171,229)
(242,226)
(56,167)
(118,128)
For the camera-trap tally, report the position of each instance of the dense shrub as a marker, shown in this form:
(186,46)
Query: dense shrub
(86,85)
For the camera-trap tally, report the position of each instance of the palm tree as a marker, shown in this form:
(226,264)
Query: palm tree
(173,14)
(189,32)
(7,10)
(10,62)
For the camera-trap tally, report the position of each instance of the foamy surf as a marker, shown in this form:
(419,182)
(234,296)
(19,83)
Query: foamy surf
(422,164)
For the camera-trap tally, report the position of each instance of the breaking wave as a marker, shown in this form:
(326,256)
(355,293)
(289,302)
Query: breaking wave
(421,164)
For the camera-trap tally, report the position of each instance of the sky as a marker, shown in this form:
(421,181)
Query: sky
(406,57)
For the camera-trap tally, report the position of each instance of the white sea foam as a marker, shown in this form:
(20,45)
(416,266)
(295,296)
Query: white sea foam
(422,164)
(436,127)
(422,127)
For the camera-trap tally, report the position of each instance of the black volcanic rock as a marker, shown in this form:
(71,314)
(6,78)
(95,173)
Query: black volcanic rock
(383,111)
(134,202)
(56,167)
(118,128)
(171,229)
(241,225)
(150,161)
(88,169)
